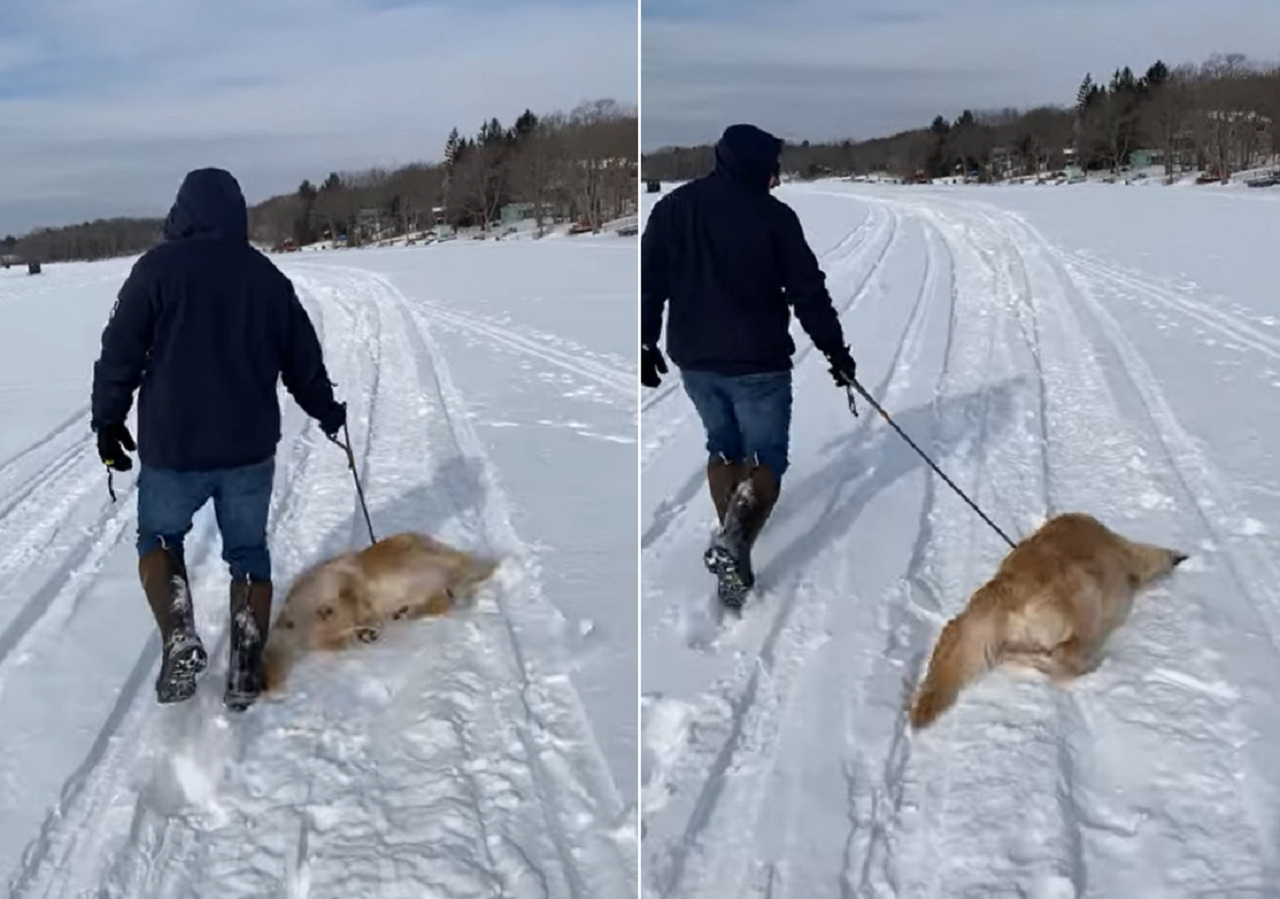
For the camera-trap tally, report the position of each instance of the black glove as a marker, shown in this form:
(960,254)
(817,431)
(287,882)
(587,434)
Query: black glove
(651,362)
(113,441)
(843,369)
(334,419)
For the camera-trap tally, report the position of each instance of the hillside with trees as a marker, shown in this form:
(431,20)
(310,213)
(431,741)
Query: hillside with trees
(578,167)
(1221,117)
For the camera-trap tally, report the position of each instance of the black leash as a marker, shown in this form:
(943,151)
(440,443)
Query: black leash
(351,463)
(866,396)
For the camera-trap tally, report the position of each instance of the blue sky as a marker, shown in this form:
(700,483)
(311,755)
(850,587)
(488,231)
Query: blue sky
(106,104)
(822,69)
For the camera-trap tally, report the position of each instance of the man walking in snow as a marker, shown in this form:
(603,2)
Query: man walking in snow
(203,328)
(730,258)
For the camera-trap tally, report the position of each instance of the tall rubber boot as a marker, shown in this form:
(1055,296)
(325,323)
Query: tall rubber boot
(164,581)
(723,478)
(250,626)
(729,556)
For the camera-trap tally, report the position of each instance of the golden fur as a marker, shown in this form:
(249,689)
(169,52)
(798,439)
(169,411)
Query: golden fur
(347,599)
(1051,605)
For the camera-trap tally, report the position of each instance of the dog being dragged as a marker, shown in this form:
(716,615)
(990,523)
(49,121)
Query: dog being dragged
(348,599)
(1051,606)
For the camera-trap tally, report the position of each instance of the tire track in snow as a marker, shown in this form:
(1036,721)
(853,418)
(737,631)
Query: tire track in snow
(746,735)
(1235,327)
(575,360)
(594,797)
(12,466)
(815,851)
(982,353)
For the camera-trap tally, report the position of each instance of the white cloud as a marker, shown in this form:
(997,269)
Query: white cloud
(276,92)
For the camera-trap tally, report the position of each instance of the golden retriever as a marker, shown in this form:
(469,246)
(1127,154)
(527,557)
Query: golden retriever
(1052,604)
(349,598)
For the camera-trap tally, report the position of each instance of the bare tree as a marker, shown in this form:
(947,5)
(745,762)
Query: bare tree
(538,168)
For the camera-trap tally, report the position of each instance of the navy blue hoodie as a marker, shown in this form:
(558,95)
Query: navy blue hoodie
(729,258)
(203,328)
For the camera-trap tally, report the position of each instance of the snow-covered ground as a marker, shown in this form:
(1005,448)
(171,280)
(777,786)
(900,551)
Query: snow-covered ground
(491,390)
(1097,348)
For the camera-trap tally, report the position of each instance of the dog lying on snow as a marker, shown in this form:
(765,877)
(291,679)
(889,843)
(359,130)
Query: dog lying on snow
(1051,606)
(348,599)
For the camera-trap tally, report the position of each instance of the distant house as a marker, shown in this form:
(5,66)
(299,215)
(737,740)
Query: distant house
(512,213)
(1145,158)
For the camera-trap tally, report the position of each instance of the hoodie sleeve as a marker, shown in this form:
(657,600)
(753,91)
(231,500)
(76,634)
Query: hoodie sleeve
(654,278)
(126,343)
(806,285)
(303,372)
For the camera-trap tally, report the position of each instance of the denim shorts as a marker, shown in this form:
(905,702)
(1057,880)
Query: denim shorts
(168,501)
(745,416)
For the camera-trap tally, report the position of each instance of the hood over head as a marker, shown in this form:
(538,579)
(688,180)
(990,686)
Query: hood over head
(209,202)
(749,154)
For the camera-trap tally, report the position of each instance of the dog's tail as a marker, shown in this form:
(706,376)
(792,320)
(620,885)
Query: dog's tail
(966,649)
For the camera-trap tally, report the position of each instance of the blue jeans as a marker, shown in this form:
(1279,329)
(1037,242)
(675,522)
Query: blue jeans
(744,415)
(168,500)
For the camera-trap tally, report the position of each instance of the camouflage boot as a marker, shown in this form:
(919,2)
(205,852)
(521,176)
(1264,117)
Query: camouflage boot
(250,625)
(729,556)
(164,581)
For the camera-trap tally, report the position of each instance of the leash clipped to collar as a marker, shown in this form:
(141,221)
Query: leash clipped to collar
(351,463)
(850,388)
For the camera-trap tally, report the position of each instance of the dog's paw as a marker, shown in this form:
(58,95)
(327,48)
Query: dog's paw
(366,634)
(402,612)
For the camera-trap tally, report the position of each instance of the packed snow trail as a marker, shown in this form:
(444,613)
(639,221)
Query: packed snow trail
(452,758)
(776,761)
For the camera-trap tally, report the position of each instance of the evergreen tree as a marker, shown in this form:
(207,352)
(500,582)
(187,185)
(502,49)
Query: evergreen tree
(1157,76)
(525,125)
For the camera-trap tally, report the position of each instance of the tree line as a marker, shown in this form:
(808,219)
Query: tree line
(1221,116)
(578,167)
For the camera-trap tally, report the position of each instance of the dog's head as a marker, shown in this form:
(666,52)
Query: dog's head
(467,577)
